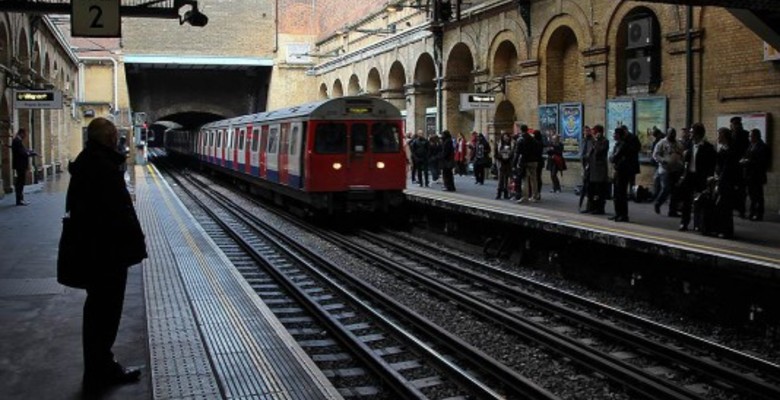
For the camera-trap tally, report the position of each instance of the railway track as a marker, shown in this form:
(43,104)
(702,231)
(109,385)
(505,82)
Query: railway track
(347,326)
(650,358)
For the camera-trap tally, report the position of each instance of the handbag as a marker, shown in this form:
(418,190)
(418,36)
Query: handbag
(71,263)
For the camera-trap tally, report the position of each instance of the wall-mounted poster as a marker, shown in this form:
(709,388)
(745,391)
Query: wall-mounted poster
(548,119)
(571,127)
(619,112)
(651,112)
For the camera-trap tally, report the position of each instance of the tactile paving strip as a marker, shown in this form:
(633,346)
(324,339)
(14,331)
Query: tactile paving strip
(179,361)
(252,354)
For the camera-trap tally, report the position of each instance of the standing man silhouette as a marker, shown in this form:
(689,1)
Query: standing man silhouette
(21,163)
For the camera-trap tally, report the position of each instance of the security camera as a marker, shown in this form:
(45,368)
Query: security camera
(590,74)
(195,18)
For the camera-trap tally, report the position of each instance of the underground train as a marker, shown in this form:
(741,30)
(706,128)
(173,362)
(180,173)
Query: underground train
(337,155)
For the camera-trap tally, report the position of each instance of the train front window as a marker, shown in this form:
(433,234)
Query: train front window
(385,138)
(359,138)
(330,138)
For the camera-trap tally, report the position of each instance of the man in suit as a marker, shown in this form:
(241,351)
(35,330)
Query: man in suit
(21,163)
(699,161)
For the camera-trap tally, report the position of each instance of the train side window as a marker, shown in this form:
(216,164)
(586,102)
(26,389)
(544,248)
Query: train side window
(330,138)
(241,138)
(219,139)
(385,138)
(359,136)
(294,137)
(255,139)
(273,140)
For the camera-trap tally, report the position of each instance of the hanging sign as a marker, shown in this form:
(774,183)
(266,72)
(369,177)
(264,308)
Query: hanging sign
(37,99)
(95,18)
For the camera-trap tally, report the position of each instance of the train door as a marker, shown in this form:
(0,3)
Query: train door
(230,146)
(294,158)
(272,153)
(240,151)
(220,148)
(247,150)
(264,152)
(254,162)
(284,145)
(359,170)
(212,146)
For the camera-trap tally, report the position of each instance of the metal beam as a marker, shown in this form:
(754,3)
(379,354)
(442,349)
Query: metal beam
(128,8)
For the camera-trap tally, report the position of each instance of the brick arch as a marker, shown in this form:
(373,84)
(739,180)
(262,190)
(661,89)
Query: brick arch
(353,87)
(396,77)
(373,82)
(504,56)
(323,93)
(562,67)
(5,40)
(22,47)
(5,132)
(191,107)
(338,89)
(577,25)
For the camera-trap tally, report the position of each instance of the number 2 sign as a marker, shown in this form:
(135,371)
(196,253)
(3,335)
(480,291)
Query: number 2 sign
(95,18)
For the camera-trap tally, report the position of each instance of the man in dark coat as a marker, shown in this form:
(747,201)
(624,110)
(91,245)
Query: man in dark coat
(755,164)
(598,171)
(623,158)
(740,141)
(21,163)
(98,201)
(699,161)
(447,161)
(420,153)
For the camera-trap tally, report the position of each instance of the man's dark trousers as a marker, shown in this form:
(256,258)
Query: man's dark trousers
(102,313)
(19,181)
(620,199)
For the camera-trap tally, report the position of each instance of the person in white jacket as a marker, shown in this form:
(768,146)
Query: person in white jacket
(668,154)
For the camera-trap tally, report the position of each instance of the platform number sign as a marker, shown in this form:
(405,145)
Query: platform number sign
(95,18)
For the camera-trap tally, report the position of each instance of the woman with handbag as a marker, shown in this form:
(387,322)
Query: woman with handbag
(555,162)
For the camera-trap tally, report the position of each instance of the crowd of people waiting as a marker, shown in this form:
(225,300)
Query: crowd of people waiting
(703,183)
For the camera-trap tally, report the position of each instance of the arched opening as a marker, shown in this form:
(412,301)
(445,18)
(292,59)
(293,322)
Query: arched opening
(353,88)
(504,118)
(5,50)
(396,80)
(563,65)
(459,79)
(323,92)
(505,60)
(338,89)
(424,91)
(638,53)
(373,82)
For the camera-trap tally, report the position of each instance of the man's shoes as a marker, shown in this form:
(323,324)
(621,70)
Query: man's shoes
(613,218)
(657,208)
(756,218)
(674,214)
(622,218)
(597,212)
(521,201)
(114,375)
(585,211)
(22,203)
(683,228)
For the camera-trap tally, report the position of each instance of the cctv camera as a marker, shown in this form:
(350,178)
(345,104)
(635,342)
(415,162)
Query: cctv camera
(195,18)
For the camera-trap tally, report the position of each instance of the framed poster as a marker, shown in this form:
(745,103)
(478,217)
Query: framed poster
(757,120)
(651,112)
(619,112)
(571,127)
(548,119)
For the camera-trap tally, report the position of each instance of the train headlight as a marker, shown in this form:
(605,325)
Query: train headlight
(380,165)
(337,166)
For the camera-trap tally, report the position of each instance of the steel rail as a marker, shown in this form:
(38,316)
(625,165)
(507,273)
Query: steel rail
(708,367)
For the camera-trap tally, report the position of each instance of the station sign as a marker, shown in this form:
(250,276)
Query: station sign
(37,99)
(95,18)
(477,101)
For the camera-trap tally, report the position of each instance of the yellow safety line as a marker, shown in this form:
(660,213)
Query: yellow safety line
(222,298)
(666,241)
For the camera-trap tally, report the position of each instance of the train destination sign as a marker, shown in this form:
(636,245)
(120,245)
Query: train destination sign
(37,99)
(477,101)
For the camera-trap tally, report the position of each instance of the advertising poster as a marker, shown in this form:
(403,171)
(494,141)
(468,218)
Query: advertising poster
(548,119)
(571,127)
(750,121)
(619,112)
(650,113)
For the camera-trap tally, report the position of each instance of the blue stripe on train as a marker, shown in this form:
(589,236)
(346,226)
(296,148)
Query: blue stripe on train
(273,176)
(255,171)
(295,181)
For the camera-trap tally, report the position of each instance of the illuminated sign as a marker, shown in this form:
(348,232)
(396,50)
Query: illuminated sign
(477,101)
(359,110)
(37,99)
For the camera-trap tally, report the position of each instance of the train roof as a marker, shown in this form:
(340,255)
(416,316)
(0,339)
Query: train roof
(352,107)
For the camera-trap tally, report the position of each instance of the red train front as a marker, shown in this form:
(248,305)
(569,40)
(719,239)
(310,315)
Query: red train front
(337,155)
